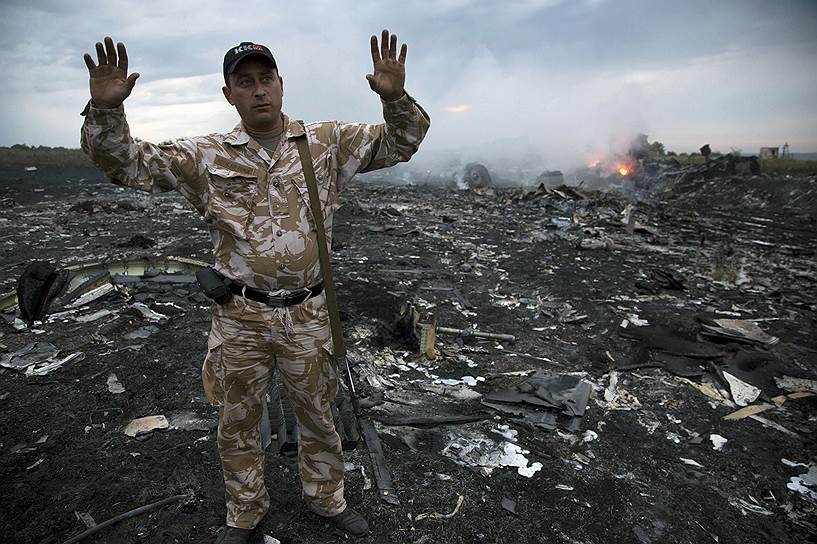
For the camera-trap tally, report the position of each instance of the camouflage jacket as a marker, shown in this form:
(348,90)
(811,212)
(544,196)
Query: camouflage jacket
(257,205)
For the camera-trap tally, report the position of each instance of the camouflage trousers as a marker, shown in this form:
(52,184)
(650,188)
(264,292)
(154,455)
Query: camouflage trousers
(248,341)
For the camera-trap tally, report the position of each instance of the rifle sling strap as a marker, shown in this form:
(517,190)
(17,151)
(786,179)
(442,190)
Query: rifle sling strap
(323,248)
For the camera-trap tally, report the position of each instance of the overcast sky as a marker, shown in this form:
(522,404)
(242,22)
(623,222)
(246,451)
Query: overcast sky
(548,78)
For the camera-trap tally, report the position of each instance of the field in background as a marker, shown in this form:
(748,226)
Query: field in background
(22,156)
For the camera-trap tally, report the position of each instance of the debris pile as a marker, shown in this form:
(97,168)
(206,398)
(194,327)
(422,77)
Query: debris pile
(647,351)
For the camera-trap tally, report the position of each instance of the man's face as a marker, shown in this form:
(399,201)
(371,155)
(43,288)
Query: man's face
(256,90)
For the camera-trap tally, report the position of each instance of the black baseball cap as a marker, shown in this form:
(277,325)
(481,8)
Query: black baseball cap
(235,54)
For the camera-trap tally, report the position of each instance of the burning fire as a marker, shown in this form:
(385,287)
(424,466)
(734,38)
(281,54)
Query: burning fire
(623,170)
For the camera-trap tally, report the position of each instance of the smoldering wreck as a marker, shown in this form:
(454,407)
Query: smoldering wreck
(626,358)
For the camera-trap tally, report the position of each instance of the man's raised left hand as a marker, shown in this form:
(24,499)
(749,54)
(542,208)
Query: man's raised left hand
(389,76)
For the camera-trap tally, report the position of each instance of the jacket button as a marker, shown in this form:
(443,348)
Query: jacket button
(279,233)
(276,183)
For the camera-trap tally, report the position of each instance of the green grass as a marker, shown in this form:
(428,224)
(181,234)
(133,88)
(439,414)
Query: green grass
(788,166)
(22,155)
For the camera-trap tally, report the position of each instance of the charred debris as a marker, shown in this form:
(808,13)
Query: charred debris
(643,355)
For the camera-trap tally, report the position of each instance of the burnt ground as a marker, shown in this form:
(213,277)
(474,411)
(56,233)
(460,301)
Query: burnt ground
(495,260)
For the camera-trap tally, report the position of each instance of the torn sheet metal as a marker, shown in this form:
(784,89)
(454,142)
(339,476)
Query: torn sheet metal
(89,281)
(54,364)
(484,455)
(30,354)
(742,330)
(664,339)
(565,393)
(144,311)
(742,393)
(791,384)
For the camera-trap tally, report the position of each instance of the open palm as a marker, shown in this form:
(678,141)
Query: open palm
(110,82)
(389,76)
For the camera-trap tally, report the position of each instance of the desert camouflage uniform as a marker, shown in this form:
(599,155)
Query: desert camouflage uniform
(257,206)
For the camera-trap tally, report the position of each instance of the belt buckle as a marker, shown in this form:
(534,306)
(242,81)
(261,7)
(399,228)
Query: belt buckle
(303,293)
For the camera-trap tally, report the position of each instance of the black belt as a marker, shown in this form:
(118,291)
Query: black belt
(296,296)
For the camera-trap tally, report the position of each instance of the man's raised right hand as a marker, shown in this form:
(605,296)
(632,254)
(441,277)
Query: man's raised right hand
(110,82)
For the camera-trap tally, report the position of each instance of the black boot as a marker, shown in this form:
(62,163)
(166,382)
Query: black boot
(350,522)
(233,535)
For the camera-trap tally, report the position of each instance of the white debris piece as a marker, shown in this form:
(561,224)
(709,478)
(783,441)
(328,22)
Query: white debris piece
(145,311)
(513,456)
(93,317)
(54,364)
(637,321)
(793,463)
(483,454)
(742,393)
(749,507)
(467,380)
(506,432)
(114,386)
(805,483)
(787,383)
(589,436)
(691,462)
(717,441)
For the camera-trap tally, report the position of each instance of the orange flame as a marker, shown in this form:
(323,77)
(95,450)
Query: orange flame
(623,170)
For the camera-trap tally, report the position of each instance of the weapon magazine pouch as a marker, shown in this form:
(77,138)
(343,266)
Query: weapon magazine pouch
(213,286)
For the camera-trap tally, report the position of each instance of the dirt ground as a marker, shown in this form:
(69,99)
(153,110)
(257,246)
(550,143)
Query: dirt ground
(559,271)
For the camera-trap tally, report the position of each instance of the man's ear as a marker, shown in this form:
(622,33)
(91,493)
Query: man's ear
(228,94)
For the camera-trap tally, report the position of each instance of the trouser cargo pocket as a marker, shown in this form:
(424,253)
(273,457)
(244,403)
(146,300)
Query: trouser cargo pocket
(212,372)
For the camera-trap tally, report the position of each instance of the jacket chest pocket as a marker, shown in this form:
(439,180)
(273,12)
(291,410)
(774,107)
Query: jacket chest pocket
(231,196)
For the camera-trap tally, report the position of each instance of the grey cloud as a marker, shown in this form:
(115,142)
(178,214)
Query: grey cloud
(551,78)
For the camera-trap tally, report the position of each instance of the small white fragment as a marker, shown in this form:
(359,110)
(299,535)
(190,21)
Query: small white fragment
(717,441)
(793,463)
(637,321)
(589,436)
(564,487)
(114,386)
(691,462)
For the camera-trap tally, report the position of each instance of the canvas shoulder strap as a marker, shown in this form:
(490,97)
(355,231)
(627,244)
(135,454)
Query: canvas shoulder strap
(323,248)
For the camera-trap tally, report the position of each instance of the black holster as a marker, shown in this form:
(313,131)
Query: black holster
(213,285)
